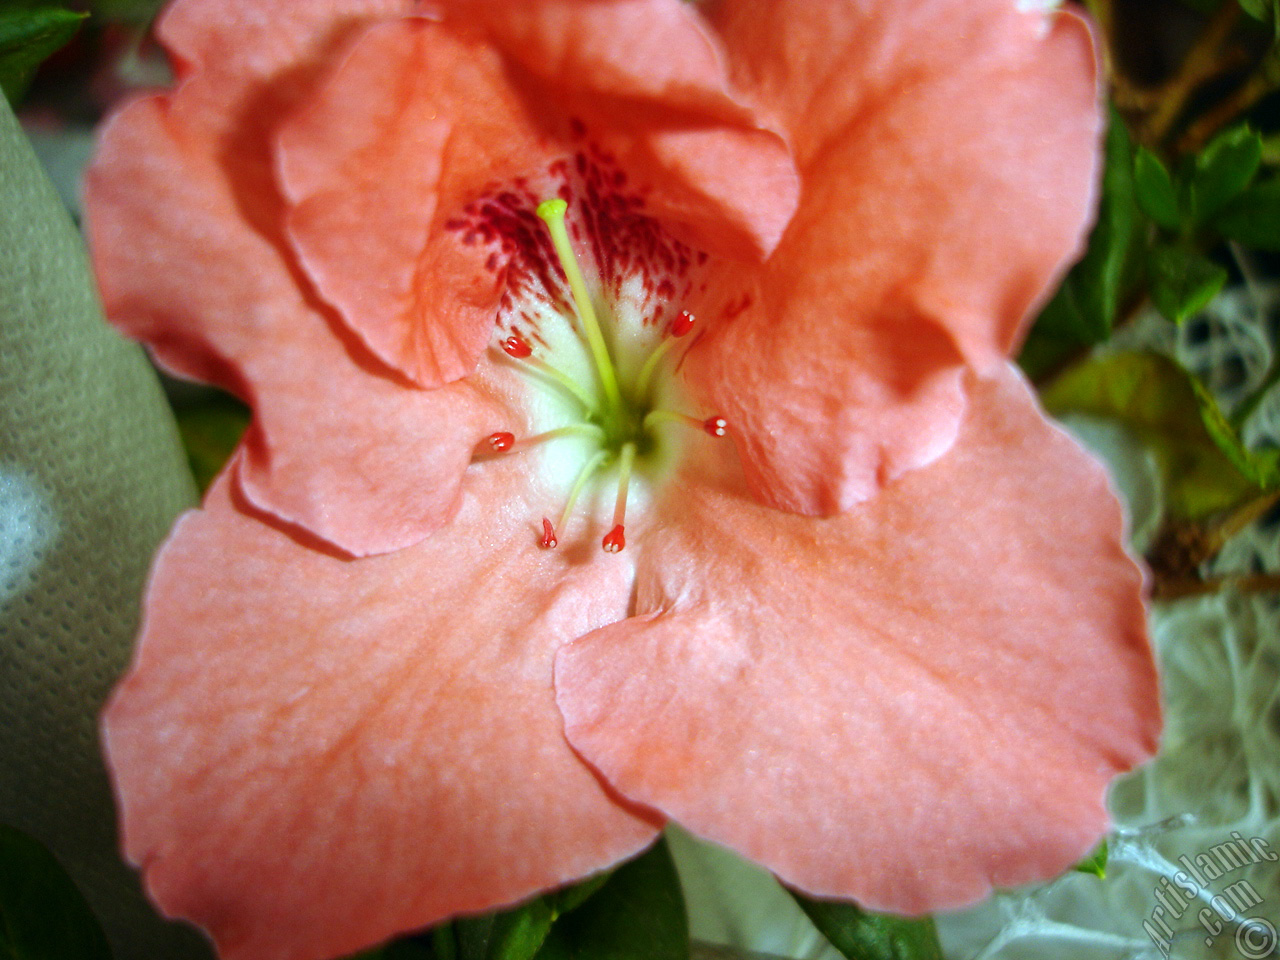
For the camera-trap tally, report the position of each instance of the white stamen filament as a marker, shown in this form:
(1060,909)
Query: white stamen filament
(588,469)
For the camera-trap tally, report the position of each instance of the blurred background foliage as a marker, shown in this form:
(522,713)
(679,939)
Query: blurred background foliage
(1163,335)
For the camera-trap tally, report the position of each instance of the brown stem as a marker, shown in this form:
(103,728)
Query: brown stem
(1200,64)
(1239,518)
(1244,97)
(1250,583)
(1182,549)
(1128,98)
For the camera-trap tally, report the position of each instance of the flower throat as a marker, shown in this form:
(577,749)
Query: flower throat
(617,415)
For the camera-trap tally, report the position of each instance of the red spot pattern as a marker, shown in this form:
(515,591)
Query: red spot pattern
(617,242)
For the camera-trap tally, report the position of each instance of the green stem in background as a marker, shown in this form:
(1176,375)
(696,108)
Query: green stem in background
(1253,286)
(1249,405)
(1240,517)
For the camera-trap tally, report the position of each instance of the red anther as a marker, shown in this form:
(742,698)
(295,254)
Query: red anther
(682,324)
(516,346)
(716,426)
(548,535)
(614,540)
(501,441)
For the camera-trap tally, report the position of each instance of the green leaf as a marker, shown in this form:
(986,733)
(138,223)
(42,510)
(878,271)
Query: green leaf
(42,914)
(1182,281)
(28,35)
(1223,169)
(518,934)
(133,11)
(861,935)
(211,424)
(1271,149)
(1086,305)
(637,914)
(1259,467)
(570,898)
(515,934)
(1253,218)
(1095,863)
(1159,402)
(1154,190)
(1263,10)
(410,948)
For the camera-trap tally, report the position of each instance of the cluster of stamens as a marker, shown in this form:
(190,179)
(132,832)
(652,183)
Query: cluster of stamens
(620,422)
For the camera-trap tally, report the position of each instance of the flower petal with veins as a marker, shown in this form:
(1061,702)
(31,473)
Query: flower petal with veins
(374,178)
(313,764)
(720,268)
(949,177)
(908,697)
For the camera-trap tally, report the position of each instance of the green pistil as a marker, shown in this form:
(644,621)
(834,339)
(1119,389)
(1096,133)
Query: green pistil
(552,213)
(621,426)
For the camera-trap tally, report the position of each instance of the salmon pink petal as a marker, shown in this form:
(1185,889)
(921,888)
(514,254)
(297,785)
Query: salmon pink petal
(242,67)
(417,122)
(184,222)
(246,42)
(822,424)
(653,66)
(904,705)
(424,118)
(948,155)
(373,468)
(178,265)
(314,754)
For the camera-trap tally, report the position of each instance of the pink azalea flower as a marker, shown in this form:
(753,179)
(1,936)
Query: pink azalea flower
(882,638)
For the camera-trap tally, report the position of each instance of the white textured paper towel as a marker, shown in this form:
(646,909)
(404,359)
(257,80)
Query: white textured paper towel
(91,476)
